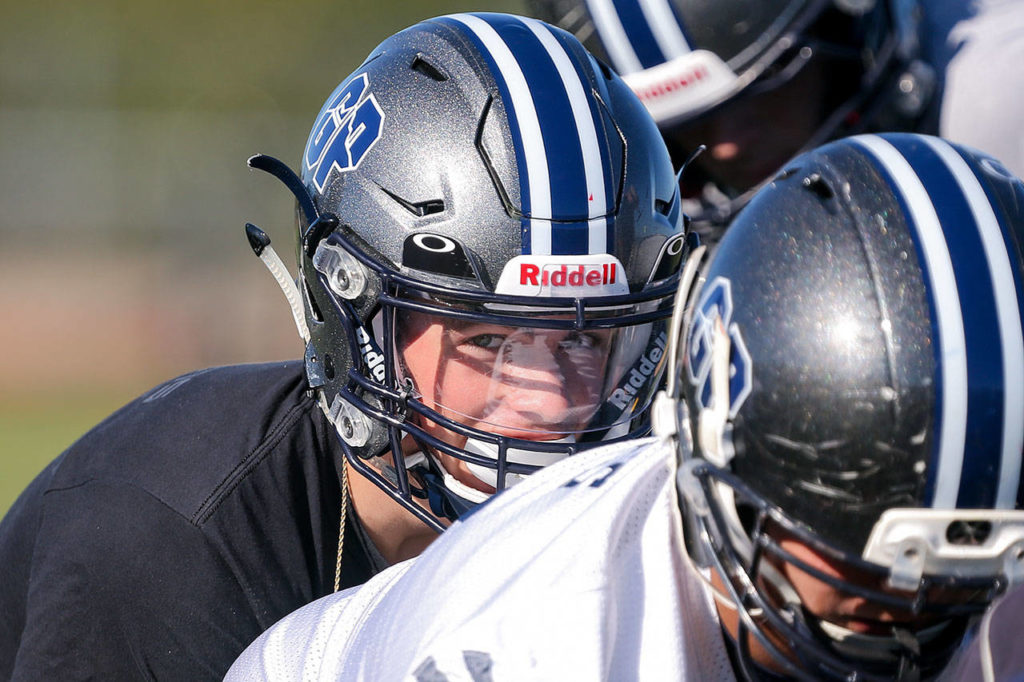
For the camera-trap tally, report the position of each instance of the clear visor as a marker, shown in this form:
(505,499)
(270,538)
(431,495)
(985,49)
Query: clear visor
(529,382)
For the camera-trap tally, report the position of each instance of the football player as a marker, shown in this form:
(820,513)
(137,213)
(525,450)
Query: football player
(834,490)
(489,237)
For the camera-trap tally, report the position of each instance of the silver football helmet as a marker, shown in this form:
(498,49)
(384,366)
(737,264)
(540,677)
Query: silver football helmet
(489,239)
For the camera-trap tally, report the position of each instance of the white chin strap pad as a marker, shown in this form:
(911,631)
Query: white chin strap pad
(490,450)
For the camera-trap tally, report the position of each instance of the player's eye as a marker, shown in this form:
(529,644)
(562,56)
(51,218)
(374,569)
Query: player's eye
(486,341)
(577,341)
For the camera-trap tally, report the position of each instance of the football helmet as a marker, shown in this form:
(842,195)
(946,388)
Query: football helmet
(489,239)
(851,379)
(688,60)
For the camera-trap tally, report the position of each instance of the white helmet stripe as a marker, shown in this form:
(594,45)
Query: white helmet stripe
(613,36)
(952,345)
(665,27)
(592,163)
(529,124)
(1012,341)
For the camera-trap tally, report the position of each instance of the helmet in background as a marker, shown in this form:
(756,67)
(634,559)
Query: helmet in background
(839,66)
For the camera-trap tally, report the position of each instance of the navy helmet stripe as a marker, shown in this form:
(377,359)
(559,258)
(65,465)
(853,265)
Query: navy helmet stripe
(638,34)
(557,126)
(597,196)
(950,346)
(525,128)
(960,223)
(1004,266)
(562,163)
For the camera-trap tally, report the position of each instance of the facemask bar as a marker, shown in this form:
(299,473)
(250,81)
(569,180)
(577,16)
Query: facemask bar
(389,405)
(383,402)
(745,570)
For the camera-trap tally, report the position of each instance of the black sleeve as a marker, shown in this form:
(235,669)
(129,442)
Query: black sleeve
(122,587)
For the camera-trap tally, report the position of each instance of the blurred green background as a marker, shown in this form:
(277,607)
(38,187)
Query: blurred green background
(124,130)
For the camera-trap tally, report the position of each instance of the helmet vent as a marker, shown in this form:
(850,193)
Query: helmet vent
(427,69)
(420,208)
(818,185)
(970,533)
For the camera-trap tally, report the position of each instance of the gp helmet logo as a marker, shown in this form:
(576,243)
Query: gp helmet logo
(716,304)
(346,129)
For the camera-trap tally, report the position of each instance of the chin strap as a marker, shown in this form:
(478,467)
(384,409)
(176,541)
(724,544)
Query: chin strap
(443,501)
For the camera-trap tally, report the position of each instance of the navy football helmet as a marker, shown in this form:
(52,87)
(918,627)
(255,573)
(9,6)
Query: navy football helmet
(851,379)
(489,240)
(691,61)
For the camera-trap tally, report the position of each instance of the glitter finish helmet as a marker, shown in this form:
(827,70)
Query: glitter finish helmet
(851,379)
(490,235)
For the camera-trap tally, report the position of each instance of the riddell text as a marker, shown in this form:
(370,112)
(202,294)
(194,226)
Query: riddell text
(565,275)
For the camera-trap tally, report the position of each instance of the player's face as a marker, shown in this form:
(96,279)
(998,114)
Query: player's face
(825,602)
(850,611)
(522,382)
(749,139)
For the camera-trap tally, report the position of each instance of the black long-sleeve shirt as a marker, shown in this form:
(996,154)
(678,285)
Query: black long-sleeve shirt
(172,534)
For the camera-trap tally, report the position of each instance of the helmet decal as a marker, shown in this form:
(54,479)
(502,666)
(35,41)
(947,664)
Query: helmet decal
(563,177)
(979,347)
(716,307)
(597,275)
(347,127)
(437,253)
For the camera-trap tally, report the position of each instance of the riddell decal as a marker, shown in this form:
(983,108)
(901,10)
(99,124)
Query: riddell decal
(686,84)
(639,374)
(371,353)
(675,81)
(568,276)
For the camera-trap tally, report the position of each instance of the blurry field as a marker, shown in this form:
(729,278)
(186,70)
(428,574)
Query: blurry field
(34,432)
(124,130)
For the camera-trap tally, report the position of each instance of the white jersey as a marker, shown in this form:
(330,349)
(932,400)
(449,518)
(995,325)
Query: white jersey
(578,573)
(978,47)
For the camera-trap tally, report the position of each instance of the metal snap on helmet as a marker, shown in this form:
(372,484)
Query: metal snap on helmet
(489,241)
(852,375)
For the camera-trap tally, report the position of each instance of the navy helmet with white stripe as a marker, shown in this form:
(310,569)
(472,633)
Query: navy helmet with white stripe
(853,64)
(490,235)
(853,377)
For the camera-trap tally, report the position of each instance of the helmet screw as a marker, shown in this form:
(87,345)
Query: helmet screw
(347,427)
